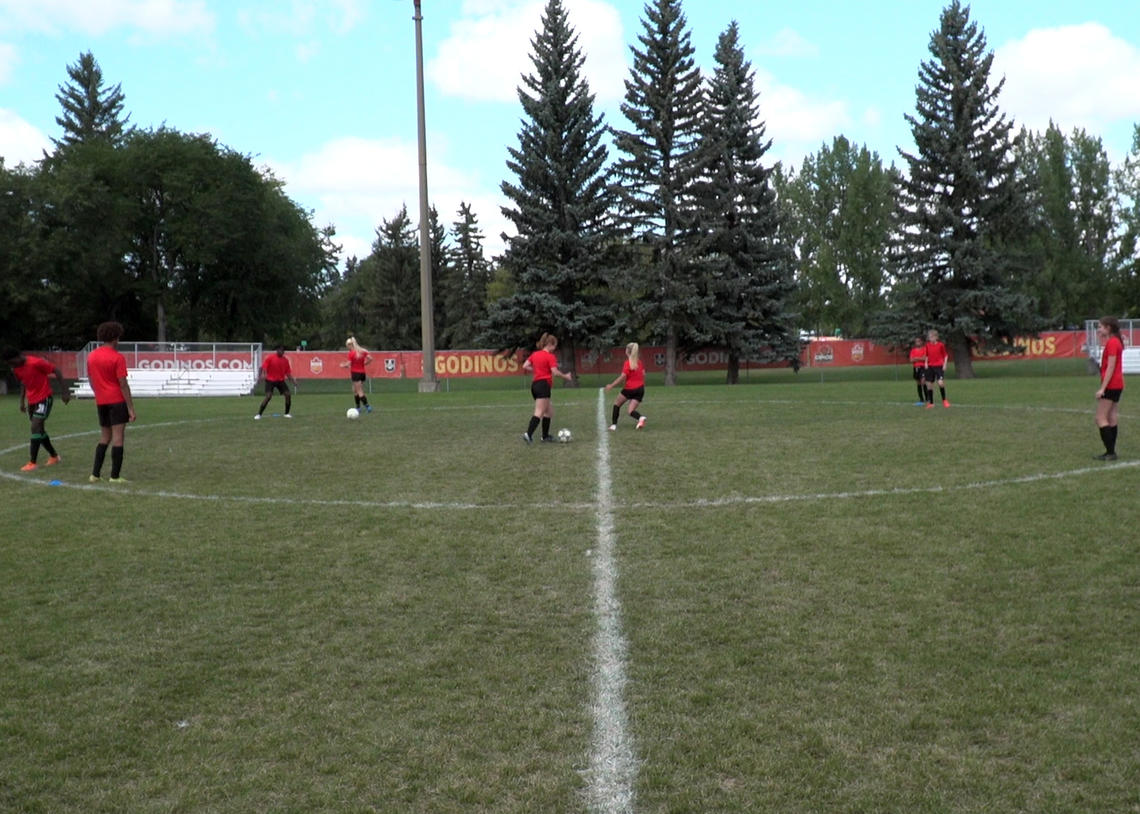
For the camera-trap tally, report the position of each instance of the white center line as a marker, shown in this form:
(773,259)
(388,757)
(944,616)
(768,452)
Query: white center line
(613,767)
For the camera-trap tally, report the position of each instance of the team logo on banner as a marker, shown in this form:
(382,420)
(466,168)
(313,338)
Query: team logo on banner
(316,366)
(390,365)
(857,352)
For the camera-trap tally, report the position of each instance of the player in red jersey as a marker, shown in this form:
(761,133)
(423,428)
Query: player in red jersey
(276,371)
(35,375)
(543,364)
(107,372)
(1111,384)
(918,362)
(633,391)
(358,357)
(936,357)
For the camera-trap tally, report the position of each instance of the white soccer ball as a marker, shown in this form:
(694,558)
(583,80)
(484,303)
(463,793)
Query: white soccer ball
(352,413)
(565,436)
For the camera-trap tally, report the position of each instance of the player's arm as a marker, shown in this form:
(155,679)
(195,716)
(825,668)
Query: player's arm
(64,393)
(615,382)
(527,366)
(126,388)
(23,401)
(1109,369)
(566,376)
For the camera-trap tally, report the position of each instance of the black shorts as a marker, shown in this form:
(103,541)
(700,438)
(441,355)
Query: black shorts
(634,394)
(280,387)
(933,374)
(1113,394)
(540,388)
(358,377)
(112,414)
(40,410)
(919,374)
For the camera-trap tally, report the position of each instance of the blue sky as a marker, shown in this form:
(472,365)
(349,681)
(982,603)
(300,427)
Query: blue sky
(323,91)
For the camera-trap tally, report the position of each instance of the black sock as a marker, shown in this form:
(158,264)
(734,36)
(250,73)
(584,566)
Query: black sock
(929,396)
(47,445)
(921,393)
(533,426)
(1112,438)
(364,400)
(116,461)
(288,404)
(636,416)
(356,401)
(942,390)
(614,414)
(264,404)
(1106,437)
(545,427)
(34,448)
(100,454)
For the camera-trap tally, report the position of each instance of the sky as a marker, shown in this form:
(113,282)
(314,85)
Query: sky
(322,93)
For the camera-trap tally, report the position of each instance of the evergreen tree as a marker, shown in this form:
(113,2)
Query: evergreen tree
(742,262)
(90,111)
(837,220)
(1126,182)
(654,174)
(463,289)
(389,280)
(559,205)
(961,209)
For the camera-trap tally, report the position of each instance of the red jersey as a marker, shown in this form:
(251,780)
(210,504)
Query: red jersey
(1113,348)
(542,362)
(33,374)
(356,361)
(106,367)
(918,356)
(276,368)
(634,376)
(936,354)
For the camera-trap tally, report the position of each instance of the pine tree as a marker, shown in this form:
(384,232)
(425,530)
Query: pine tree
(463,289)
(90,112)
(559,205)
(743,264)
(961,216)
(654,174)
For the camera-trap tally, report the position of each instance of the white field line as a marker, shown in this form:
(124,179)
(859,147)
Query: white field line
(613,767)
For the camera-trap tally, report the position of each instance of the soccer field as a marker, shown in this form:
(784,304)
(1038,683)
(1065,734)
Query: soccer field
(792,595)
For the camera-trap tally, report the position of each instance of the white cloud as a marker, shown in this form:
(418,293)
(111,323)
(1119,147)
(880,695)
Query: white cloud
(300,17)
(356,184)
(1078,76)
(788,43)
(488,50)
(797,123)
(20,142)
(157,17)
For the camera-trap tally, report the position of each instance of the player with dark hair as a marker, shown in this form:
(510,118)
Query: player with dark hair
(543,364)
(276,371)
(918,362)
(1111,384)
(936,357)
(35,375)
(633,391)
(107,372)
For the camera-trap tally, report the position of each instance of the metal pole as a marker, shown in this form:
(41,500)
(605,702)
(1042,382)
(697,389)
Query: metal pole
(428,384)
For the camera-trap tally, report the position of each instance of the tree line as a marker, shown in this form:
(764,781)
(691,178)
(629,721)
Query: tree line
(671,227)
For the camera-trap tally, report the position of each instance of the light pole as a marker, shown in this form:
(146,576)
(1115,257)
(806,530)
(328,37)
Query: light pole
(428,383)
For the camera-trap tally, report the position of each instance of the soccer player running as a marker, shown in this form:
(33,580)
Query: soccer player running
(633,391)
(1111,384)
(107,372)
(35,375)
(543,364)
(276,371)
(358,357)
(936,357)
(918,362)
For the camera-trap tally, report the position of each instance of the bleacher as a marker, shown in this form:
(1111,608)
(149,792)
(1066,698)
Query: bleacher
(161,383)
(1129,331)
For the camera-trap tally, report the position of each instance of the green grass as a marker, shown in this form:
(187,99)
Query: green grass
(832,600)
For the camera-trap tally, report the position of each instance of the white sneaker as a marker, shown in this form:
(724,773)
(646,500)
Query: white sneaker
(287,415)
(613,427)
(257,417)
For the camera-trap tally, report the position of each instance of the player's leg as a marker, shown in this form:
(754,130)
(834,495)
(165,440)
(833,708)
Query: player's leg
(104,441)
(616,411)
(288,400)
(942,390)
(1104,417)
(118,437)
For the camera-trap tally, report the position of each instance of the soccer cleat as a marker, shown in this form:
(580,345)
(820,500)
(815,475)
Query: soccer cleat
(28,467)
(547,439)
(94,479)
(945,403)
(641,422)
(118,480)
(527,438)
(1108,456)
(930,405)
(53,460)
(288,415)
(613,427)
(920,404)
(367,408)
(257,417)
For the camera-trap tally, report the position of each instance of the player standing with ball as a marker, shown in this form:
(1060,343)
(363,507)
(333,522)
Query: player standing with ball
(358,357)
(543,364)
(633,391)
(1111,384)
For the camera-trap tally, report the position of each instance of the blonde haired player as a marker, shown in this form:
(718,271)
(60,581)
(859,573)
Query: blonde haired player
(633,372)
(358,357)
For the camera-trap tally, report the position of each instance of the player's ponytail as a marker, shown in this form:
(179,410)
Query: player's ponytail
(353,345)
(632,350)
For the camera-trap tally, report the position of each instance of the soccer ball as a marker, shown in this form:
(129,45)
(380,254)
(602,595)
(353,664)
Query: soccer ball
(564,435)
(352,413)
